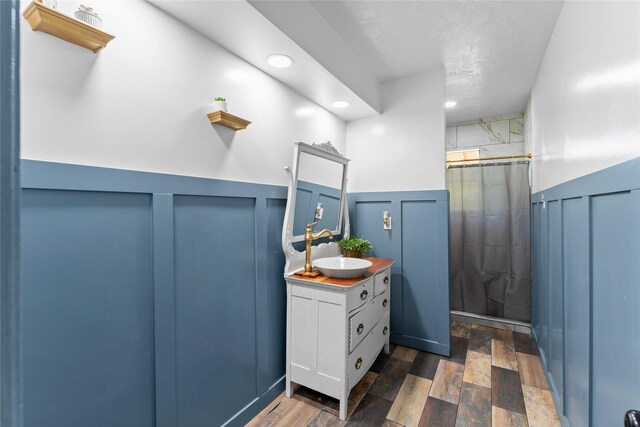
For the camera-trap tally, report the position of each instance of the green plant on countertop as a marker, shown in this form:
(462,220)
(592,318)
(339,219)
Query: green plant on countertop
(355,245)
(220,99)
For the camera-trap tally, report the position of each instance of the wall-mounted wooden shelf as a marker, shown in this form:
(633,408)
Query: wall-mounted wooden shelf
(229,120)
(50,21)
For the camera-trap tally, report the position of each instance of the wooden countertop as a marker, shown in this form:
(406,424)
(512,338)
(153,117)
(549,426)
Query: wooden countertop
(379,264)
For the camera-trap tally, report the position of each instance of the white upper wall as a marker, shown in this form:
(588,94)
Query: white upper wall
(141,103)
(585,108)
(404,148)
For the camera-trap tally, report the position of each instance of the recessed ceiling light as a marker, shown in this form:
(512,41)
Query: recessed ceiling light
(450,104)
(341,104)
(279,60)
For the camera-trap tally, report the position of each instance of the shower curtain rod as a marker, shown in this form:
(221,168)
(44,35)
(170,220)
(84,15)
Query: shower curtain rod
(521,156)
(479,165)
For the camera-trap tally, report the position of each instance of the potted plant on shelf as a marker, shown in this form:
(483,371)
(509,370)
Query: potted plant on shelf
(220,104)
(354,247)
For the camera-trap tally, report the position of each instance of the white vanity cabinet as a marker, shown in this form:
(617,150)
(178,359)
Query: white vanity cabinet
(336,328)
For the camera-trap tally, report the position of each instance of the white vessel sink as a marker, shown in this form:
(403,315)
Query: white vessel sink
(342,268)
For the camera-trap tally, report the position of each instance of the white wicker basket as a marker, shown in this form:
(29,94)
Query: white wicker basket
(87,15)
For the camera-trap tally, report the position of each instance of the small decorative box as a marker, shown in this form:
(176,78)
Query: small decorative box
(87,15)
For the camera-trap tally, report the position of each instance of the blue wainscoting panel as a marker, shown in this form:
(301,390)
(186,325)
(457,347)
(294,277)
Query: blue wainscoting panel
(575,255)
(419,242)
(535,252)
(424,312)
(10,347)
(215,307)
(615,223)
(164,310)
(149,299)
(369,218)
(87,309)
(543,277)
(276,294)
(556,300)
(586,247)
(369,225)
(538,297)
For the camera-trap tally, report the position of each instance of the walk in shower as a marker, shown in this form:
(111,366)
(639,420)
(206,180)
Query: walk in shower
(490,263)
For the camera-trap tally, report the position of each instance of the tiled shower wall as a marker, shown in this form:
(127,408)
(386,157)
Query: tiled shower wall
(495,136)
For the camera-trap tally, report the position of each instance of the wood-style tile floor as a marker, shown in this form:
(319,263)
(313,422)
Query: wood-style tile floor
(493,378)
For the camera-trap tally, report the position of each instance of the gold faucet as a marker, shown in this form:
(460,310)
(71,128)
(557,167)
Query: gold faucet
(310,237)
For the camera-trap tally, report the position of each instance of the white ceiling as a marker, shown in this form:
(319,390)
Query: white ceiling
(241,29)
(491,50)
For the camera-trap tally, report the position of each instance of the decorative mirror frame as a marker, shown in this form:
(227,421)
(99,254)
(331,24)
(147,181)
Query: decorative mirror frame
(295,258)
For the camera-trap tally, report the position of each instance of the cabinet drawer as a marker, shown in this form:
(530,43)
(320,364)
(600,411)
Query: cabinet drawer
(365,354)
(360,294)
(361,323)
(381,282)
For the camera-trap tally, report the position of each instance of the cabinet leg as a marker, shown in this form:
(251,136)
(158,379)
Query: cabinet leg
(386,347)
(288,388)
(344,403)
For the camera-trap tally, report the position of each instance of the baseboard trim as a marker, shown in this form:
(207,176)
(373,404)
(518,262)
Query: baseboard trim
(252,409)
(421,344)
(556,399)
(493,322)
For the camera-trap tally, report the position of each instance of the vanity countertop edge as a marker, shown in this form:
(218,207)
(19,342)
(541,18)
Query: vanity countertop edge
(378,265)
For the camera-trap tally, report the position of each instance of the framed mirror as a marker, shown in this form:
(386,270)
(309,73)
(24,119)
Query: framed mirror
(317,193)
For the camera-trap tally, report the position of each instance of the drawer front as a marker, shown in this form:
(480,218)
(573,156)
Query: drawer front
(361,323)
(365,354)
(381,282)
(360,295)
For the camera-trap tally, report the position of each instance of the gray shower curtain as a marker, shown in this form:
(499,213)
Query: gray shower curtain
(490,267)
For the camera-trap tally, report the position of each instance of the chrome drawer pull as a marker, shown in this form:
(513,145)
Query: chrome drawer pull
(359,363)
(360,328)
(385,330)
(385,303)
(386,280)
(364,294)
